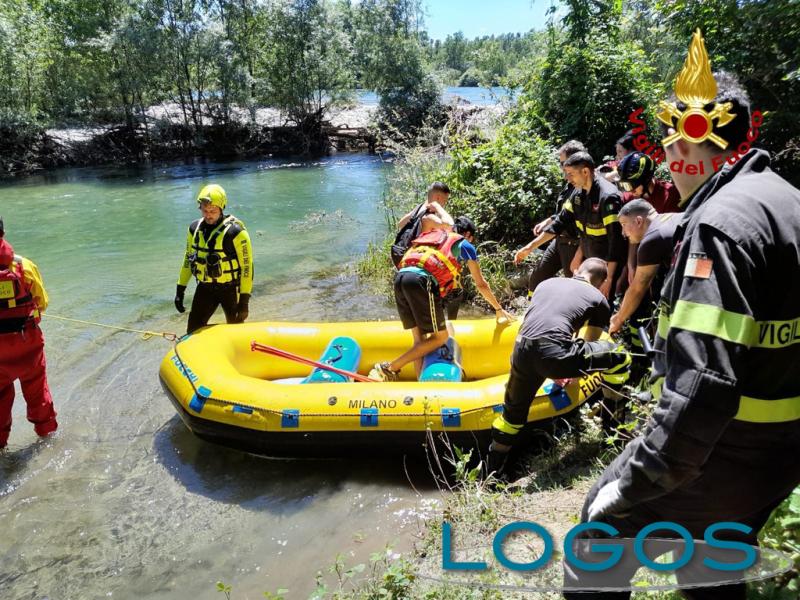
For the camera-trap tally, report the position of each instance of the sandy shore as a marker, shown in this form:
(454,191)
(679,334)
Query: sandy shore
(359,116)
(354,117)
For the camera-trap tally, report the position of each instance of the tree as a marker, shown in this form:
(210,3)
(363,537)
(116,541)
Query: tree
(391,61)
(308,63)
(455,52)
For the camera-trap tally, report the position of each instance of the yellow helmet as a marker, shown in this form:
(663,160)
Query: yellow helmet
(214,194)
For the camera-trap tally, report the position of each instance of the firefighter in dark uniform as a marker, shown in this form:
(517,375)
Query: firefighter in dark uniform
(723,441)
(592,210)
(651,234)
(559,253)
(546,348)
(220,256)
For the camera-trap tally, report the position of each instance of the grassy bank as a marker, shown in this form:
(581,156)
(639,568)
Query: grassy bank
(554,475)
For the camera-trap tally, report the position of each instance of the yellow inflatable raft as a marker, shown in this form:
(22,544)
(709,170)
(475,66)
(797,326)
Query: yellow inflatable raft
(228,394)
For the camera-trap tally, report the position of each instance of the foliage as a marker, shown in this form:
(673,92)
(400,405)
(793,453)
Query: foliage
(505,184)
(782,532)
(225,589)
(405,112)
(103,60)
(22,140)
(485,60)
(392,63)
(757,41)
(586,92)
(587,18)
(387,577)
(470,78)
(307,64)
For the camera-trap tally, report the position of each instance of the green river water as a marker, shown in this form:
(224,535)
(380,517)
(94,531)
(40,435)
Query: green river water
(124,501)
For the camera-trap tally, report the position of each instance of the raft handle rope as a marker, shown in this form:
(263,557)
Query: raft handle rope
(279,413)
(270,411)
(146,335)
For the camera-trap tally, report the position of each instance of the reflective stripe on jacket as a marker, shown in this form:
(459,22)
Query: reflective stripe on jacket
(728,342)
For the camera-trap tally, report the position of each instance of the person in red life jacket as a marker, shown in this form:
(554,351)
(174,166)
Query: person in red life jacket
(408,227)
(22,299)
(430,269)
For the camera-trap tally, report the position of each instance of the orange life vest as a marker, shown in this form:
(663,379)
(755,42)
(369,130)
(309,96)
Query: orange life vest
(17,307)
(433,252)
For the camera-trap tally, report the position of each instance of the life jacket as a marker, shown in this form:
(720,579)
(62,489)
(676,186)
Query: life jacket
(433,252)
(17,306)
(208,260)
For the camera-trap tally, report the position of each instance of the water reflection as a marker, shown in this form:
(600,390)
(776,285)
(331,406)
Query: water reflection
(280,486)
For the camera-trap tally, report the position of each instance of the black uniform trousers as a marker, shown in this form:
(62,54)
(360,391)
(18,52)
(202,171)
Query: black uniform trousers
(556,257)
(207,297)
(533,361)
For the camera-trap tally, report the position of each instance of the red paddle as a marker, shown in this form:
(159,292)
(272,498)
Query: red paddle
(256,347)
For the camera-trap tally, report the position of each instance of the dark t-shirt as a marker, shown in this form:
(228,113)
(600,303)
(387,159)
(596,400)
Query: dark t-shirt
(561,306)
(656,245)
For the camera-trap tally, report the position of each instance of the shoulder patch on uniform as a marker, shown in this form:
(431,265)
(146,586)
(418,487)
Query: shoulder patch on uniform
(698,266)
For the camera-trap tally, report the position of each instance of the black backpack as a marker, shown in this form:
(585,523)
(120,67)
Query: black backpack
(404,237)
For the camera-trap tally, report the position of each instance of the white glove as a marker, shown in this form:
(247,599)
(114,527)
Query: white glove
(609,501)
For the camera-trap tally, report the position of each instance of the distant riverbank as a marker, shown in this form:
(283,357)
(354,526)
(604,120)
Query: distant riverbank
(165,133)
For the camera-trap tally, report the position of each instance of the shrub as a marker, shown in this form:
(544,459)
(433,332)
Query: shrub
(403,112)
(507,184)
(587,92)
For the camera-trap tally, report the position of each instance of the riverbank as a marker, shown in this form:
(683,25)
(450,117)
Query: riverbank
(163,133)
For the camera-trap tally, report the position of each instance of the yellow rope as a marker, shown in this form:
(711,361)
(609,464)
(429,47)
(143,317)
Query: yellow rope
(146,335)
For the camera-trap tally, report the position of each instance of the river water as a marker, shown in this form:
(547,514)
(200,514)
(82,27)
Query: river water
(479,96)
(123,501)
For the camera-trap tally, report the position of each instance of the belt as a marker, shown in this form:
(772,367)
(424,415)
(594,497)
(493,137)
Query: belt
(219,285)
(539,343)
(13,326)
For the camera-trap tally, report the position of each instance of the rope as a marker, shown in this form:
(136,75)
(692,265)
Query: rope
(146,335)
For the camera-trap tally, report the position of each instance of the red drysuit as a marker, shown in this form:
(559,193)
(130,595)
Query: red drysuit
(22,296)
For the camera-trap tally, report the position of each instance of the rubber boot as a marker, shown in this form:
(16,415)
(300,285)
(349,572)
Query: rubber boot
(496,465)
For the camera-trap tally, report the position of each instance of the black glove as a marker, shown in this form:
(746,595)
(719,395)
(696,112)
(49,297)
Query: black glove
(179,298)
(244,308)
